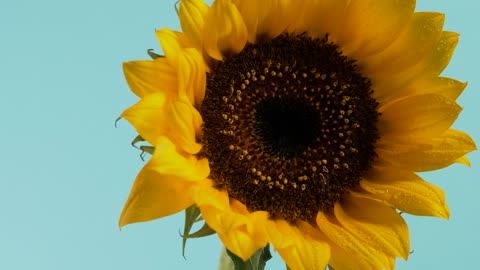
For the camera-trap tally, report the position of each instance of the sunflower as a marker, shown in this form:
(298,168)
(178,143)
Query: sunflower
(299,123)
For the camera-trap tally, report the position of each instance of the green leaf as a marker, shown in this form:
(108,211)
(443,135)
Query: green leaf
(256,262)
(154,55)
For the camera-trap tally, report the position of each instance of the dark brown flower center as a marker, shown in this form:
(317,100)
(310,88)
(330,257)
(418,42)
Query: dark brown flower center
(289,126)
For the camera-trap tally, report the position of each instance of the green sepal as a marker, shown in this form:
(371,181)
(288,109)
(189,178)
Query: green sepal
(154,55)
(192,215)
(256,262)
(137,140)
(146,149)
(116,121)
(204,231)
(177,8)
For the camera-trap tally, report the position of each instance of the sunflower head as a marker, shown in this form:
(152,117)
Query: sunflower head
(300,125)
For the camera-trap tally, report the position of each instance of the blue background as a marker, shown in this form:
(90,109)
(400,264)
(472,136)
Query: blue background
(66,171)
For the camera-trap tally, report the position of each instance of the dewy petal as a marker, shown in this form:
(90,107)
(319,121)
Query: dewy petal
(417,118)
(163,186)
(339,259)
(410,48)
(301,246)
(430,66)
(422,33)
(371,25)
(147,77)
(192,15)
(350,243)
(405,191)
(384,228)
(155,116)
(439,153)
(447,87)
(225,32)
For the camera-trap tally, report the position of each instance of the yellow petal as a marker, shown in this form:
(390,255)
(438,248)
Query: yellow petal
(148,77)
(378,224)
(371,25)
(430,66)
(192,15)
(340,259)
(439,153)
(405,191)
(156,115)
(225,32)
(350,244)
(280,233)
(442,53)
(463,160)
(206,195)
(322,17)
(269,18)
(233,228)
(192,76)
(172,43)
(447,87)
(163,186)
(301,246)
(421,34)
(410,48)
(417,118)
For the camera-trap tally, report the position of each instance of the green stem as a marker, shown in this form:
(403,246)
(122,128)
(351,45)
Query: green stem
(225,262)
